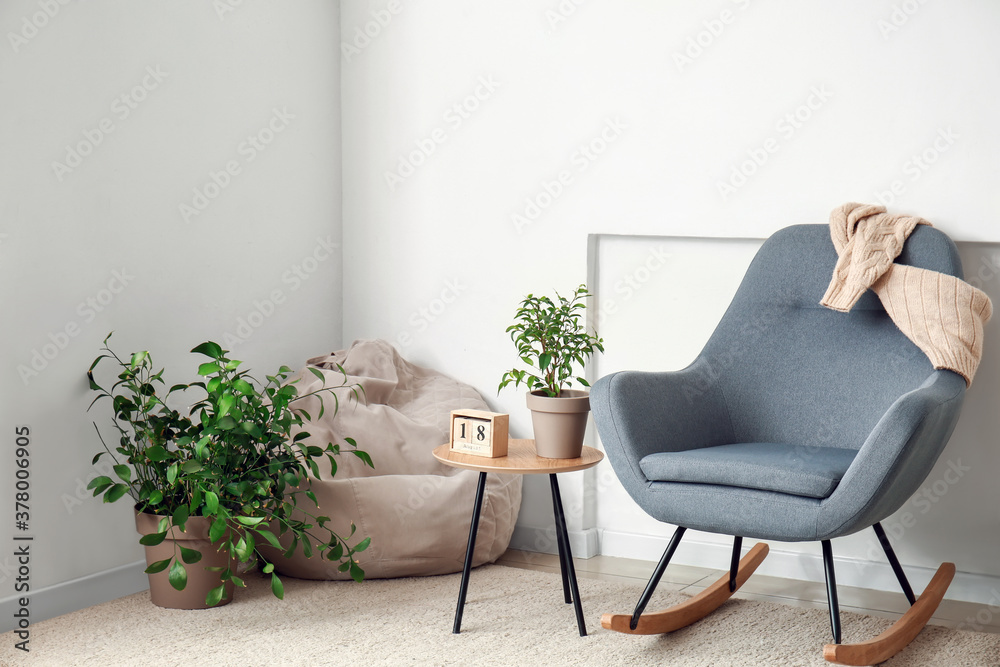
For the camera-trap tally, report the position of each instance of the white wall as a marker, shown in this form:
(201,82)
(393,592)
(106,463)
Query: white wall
(64,234)
(836,102)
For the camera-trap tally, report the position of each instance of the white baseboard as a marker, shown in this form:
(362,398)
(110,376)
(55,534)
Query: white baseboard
(583,543)
(75,594)
(876,575)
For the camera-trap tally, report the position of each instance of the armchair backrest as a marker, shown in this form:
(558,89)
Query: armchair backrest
(792,371)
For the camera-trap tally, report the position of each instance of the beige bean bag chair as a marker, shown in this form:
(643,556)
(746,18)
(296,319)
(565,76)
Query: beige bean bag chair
(416,510)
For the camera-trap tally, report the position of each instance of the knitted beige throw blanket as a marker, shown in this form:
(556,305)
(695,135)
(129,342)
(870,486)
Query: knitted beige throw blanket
(941,314)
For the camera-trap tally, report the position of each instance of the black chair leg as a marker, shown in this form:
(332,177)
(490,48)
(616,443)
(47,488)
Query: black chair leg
(894,562)
(734,564)
(655,579)
(831,591)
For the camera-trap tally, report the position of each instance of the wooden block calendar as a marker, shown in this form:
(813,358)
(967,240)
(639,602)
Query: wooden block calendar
(479,433)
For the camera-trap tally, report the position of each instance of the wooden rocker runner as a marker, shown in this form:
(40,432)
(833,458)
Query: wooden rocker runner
(796,423)
(684,614)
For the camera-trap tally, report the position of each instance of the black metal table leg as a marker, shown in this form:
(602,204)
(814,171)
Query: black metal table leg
(563,545)
(831,590)
(894,562)
(469,550)
(567,554)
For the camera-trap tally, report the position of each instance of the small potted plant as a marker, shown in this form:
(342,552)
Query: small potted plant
(210,485)
(552,338)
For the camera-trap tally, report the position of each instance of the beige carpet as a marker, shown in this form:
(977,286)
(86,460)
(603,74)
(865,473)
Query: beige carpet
(513,617)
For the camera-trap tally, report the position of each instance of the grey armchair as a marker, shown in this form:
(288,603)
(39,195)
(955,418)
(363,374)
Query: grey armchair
(795,423)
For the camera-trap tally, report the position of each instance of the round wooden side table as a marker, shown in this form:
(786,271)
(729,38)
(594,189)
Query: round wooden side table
(521,459)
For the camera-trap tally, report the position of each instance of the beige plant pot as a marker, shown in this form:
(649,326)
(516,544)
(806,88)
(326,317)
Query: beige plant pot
(559,423)
(199,579)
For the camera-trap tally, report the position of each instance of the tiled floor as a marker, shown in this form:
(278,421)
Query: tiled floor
(759,587)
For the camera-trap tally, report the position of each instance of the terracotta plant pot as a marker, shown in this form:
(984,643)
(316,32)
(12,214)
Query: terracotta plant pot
(559,423)
(199,580)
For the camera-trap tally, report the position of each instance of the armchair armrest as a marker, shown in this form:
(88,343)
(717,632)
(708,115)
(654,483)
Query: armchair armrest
(897,456)
(642,413)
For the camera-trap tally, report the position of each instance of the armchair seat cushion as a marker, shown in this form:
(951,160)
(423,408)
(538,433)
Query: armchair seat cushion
(799,470)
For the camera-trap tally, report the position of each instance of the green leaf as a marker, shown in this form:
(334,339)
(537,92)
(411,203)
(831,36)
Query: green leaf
(243,386)
(103,480)
(209,368)
(252,429)
(181,515)
(363,544)
(271,539)
(250,520)
(209,349)
(137,359)
(124,473)
(156,453)
(357,574)
(217,530)
(156,497)
(543,360)
(242,550)
(158,566)
(178,576)
(172,473)
(211,502)
(192,466)
(226,404)
(199,449)
(190,556)
(276,587)
(214,596)
(268,569)
(364,457)
(318,373)
(152,540)
(115,492)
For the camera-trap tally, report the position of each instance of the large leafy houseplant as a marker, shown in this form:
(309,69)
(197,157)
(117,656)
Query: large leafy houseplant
(552,339)
(231,458)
